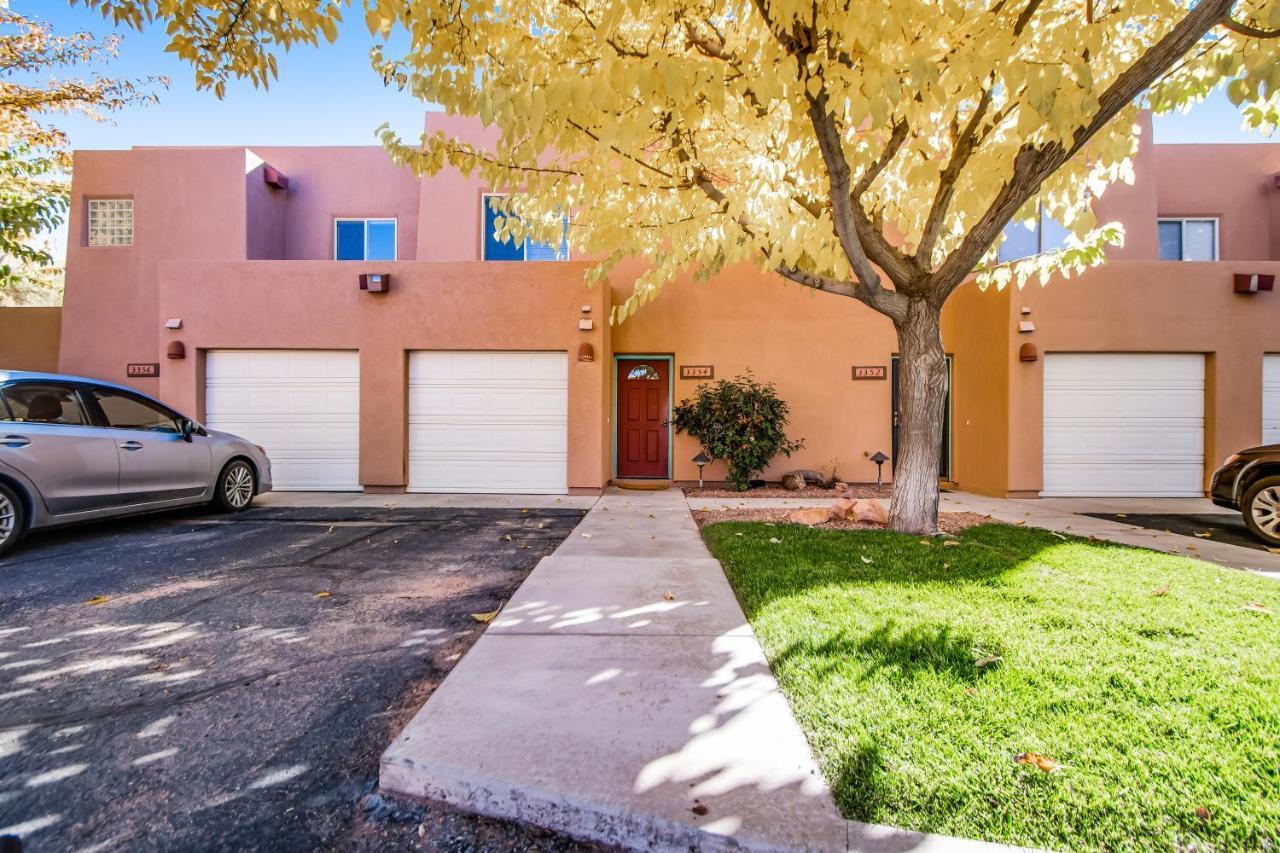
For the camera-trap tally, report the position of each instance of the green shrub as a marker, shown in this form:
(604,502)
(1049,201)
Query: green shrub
(739,420)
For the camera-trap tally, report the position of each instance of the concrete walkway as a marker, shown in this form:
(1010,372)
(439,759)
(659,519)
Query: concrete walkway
(620,696)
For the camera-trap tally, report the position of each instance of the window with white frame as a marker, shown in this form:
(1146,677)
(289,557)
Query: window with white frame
(364,239)
(110,222)
(528,250)
(1188,239)
(1024,239)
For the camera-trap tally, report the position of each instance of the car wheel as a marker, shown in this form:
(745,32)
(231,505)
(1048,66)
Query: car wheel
(13,519)
(1261,510)
(235,487)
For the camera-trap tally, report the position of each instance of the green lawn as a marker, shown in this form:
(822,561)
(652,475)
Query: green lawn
(1157,705)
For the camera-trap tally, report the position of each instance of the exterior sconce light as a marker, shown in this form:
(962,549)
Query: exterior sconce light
(177,349)
(879,458)
(375,282)
(586,352)
(1027,352)
(1253,282)
(700,460)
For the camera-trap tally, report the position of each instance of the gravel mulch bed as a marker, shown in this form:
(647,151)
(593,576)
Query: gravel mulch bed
(948,522)
(854,490)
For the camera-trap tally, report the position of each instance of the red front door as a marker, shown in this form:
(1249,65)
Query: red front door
(643,395)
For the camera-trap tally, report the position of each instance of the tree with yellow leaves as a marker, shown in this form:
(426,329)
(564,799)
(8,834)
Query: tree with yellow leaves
(34,157)
(872,150)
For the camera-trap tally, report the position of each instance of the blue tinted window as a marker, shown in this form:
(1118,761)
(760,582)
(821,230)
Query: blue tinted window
(495,249)
(548,252)
(382,240)
(1170,240)
(350,240)
(1052,235)
(1020,241)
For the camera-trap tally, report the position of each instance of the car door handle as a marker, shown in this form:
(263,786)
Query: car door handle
(15,441)
(131,445)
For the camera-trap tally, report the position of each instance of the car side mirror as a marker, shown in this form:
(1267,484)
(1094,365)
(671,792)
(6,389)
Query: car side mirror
(188,429)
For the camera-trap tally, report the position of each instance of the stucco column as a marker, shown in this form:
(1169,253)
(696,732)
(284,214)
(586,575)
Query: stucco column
(1233,403)
(383,415)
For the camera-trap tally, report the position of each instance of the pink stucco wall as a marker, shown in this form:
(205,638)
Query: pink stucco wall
(245,265)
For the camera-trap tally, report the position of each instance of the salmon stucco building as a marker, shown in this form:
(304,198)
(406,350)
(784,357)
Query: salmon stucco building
(363,326)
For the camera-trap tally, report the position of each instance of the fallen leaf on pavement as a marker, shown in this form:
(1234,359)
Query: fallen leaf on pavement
(1160,590)
(507,537)
(586,536)
(1035,759)
(1122,515)
(324,593)
(486,618)
(1255,606)
(1205,535)
(668,596)
(99,599)
(699,809)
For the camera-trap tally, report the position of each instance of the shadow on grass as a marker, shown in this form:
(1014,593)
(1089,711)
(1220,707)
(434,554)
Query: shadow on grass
(936,648)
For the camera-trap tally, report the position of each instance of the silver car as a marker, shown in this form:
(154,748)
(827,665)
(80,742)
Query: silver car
(74,449)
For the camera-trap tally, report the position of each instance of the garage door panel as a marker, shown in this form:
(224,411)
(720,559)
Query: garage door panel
(1126,441)
(488,422)
(1128,479)
(1123,424)
(303,406)
(1271,399)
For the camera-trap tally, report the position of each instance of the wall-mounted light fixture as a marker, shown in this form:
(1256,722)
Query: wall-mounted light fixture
(273,177)
(375,282)
(177,349)
(1027,352)
(586,352)
(1253,282)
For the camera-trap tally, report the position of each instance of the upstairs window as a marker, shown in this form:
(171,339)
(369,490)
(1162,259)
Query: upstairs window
(364,239)
(1024,239)
(529,250)
(110,222)
(1188,239)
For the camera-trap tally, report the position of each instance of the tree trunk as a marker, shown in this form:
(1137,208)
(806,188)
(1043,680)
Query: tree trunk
(922,395)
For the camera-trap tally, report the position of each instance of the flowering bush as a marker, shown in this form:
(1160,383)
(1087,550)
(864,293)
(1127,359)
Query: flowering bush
(739,420)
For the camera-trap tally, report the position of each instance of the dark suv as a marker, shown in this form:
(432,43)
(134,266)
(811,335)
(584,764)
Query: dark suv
(1250,482)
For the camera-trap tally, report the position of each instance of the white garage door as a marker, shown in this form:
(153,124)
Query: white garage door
(1123,425)
(488,422)
(303,406)
(1271,399)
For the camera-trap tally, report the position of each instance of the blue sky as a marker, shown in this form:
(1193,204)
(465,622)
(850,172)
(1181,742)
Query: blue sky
(330,96)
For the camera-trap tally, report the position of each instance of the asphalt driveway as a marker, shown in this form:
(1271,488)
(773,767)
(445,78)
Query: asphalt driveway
(237,678)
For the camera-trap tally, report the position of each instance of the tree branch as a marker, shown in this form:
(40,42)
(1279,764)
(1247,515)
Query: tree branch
(1248,30)
(1033,165)
(965,144)
(868,290)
